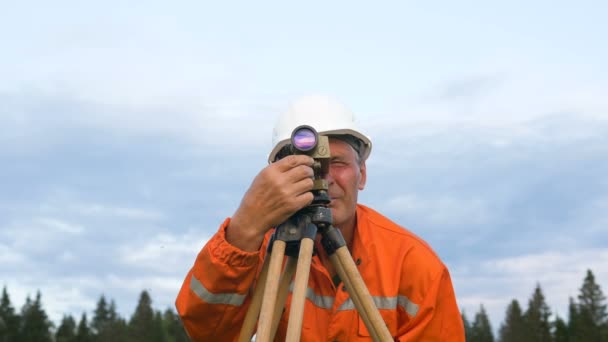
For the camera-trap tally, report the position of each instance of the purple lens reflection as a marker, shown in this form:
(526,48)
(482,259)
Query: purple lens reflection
(304,139)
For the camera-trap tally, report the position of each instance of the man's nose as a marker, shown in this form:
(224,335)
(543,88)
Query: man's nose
(329,178)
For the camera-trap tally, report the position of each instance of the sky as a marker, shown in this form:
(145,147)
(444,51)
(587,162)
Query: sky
(130,130)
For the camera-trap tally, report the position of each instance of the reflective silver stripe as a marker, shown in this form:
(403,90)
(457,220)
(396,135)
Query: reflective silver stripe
(387,303)
(213,298)
(384,303)
(410,307)
(324,302)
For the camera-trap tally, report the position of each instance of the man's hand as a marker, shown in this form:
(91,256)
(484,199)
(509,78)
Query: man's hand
(277,192)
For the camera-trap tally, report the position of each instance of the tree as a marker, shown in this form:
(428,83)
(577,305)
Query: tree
(466,324)
(159,333)
(106,325)
(481,330)
(67,330)
(101,319)
(537,318)
(174,327)
(141,325)
(513,328)
(35,325)
(592,310)
(560,332)
(574,333)
(118,325)
(83,333)
(9,320)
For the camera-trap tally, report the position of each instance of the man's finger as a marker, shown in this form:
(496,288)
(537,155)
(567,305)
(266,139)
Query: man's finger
(303,186)
(292,161)
(300,172)
(304,199)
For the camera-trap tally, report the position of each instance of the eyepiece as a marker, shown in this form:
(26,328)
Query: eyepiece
(304,138)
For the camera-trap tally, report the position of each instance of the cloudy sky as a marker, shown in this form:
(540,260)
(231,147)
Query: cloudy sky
(128,132)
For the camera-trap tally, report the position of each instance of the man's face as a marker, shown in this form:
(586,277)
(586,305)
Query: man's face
(346,177)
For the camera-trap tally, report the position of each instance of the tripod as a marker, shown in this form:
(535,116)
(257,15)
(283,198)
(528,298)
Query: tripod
(295,239)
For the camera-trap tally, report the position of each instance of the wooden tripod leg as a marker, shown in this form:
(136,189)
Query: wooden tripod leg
(270,291)
(298,298)
(256,302)
(367,305)
(353,294)
(288,272)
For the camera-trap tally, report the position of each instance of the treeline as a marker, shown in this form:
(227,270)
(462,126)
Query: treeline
(32,324)
(587,319)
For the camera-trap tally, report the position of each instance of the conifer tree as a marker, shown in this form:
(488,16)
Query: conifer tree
(67,330)
(481,330)
(101,319)
(592,310)
(536,317)
(513,328)
(122,330)
(35,325)
(467,324)
(174,327)
(159,333)
(83,333)
(9,320)
(560,332)
(141,325)
(118,325)
(106,325)
(574,333)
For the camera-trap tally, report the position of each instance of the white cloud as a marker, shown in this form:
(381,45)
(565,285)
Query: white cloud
(40,234)
(60,226)
(164,253)
(96,209)
(157,283)
(443,210)
(63,201)
(594,215)
(503,94)
(10,256)
(545,128)
(211,123)
(549,263)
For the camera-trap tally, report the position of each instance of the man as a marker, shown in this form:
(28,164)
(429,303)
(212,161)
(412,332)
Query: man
(408,282)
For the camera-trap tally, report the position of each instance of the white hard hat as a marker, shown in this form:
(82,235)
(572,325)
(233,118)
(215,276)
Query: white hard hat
(326,115)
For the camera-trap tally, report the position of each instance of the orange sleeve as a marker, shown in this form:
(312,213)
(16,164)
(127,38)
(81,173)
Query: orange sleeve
(214,297)
(438,317)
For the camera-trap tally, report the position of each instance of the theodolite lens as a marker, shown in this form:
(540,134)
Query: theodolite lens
(304,138)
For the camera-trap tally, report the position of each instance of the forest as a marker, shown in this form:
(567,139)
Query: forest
(587,321)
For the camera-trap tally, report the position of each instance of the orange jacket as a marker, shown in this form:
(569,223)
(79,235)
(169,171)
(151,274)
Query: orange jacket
(409,284)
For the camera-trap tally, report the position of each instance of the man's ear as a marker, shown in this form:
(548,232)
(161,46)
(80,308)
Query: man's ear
(363,175)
